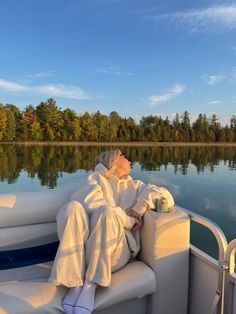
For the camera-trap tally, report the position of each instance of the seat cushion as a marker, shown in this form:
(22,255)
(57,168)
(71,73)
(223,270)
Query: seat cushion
(136,279)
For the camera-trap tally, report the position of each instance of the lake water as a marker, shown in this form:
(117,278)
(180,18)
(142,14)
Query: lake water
(201,179)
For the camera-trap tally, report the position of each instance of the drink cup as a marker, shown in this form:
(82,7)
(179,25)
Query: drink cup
(161,205)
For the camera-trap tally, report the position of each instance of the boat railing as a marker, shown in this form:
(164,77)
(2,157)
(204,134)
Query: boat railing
(222,266)
(230,282)
(230,256)
(214,228)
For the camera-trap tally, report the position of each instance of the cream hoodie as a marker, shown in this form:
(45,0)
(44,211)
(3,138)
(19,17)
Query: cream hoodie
(104,189)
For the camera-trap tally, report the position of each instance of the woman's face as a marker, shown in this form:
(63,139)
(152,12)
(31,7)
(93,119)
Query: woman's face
(123,166)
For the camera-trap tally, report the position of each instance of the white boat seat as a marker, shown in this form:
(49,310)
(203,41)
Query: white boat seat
(135,280)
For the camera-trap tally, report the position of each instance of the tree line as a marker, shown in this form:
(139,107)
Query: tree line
(47,122)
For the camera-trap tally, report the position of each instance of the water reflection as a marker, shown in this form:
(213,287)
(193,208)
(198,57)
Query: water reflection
(48,163)
(200,178)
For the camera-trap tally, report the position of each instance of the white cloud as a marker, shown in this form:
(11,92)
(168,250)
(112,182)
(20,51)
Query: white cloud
(213,79)
(218,78)
(113,72)
(52,90)
(103,71)
(41,74)
(173,92)
(215,102)
(12,86)
(60,90)
(215,18)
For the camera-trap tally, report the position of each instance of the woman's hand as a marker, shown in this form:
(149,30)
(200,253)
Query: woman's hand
(137,225)
(138,218)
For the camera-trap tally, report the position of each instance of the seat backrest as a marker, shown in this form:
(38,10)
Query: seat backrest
(28,208)
(28,231)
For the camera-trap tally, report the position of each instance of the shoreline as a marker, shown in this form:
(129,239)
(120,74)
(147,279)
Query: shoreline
(133,144)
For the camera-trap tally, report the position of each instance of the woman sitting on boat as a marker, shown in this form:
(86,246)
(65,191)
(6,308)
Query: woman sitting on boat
(99,229)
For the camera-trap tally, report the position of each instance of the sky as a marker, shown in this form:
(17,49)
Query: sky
(135,57)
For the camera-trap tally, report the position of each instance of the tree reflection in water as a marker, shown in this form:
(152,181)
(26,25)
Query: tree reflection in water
(49,162)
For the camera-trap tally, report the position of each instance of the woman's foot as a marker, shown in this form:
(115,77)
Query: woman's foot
(68,308)
(85,302)
(69,301)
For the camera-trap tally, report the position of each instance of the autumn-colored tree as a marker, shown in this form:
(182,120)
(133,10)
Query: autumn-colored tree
(3,121)
(47,122)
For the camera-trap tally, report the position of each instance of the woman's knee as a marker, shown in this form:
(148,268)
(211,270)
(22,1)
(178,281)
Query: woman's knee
(73,208)
(105,211)
(72,217)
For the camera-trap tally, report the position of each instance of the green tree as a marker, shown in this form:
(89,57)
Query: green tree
(116,122)
(36,133)
(24,125)
(177,128)
(205,127)
(11,124)
(89,129)
(48,122)
(198,127)
(72,129)
(3,122)
(186,127)
(233,126)
(104,127)
(229,134)
(76,129)
(214,128)
(50,119)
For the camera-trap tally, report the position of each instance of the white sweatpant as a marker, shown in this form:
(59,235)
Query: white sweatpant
(93,254)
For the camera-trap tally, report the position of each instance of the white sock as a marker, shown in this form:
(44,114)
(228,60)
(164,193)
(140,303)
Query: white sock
(85,302)
(69,309)
(69,301)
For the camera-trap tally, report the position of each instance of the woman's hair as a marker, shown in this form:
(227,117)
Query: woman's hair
(109,159)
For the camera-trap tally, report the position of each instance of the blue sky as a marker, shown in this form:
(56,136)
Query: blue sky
(134,57)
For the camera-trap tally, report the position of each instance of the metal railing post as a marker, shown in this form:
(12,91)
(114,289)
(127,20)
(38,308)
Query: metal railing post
(222,245)
(230,259)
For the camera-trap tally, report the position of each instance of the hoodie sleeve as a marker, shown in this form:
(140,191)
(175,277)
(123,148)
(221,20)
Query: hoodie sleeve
(91,197)
(148,196)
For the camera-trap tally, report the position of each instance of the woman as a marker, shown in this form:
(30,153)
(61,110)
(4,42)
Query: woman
(98,229)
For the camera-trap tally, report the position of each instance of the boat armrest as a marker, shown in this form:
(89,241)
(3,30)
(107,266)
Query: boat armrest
(165,248)
(164,234)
